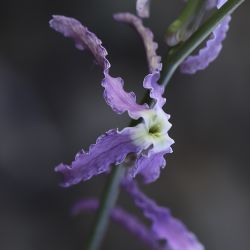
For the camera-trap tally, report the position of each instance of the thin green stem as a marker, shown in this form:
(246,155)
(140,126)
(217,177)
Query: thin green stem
(174,59)
(107,202)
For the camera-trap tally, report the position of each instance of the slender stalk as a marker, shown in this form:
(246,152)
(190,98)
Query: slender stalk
(107,202)
(174,59)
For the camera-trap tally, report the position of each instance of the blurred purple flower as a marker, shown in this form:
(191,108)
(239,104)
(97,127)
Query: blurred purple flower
(213,46)
(164,225)
(128,221)
(146,143)
(165,232)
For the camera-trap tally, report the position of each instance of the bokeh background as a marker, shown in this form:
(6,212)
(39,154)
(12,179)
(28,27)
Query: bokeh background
(51,106)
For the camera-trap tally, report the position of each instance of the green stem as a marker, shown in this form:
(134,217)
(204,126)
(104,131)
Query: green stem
(107,202)
(174,59)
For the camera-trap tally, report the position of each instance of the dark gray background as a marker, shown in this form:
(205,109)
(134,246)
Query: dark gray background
(51,105)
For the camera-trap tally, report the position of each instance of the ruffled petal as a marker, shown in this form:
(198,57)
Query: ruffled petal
(83,38)
(208,54)
(120,100)
(156,90)
(212,49)
(125,219)
(142,8)
(164,225)
(149,166)
(154,61)
(110,148)
(114,94)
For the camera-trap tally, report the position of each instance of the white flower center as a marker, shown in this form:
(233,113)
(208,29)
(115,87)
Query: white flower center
(154,130)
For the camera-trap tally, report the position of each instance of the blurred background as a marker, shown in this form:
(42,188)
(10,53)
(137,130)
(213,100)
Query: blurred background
(51,106)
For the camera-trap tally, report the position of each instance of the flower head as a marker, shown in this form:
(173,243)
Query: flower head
(149,140)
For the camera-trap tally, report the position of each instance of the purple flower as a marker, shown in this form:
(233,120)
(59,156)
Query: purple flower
(164,229)
(128,221)
(213,46)
(164,225)
(142,148)
(148,141)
